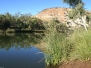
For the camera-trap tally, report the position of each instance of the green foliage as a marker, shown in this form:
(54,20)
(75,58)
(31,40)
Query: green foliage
(88,17)
(73,3)
(59,27)
(61,48)
(4,21)
(36,24)
(78,11)
(82,45)
(58,47)
(20,21)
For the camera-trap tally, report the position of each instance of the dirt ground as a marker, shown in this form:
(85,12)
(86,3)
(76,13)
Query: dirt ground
(76,64)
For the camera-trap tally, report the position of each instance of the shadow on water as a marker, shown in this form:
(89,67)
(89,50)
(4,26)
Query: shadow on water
(18,51)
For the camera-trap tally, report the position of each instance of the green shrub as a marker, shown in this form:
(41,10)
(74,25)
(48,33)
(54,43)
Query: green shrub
(58,47)
(61,48)
(82,45)
(88,18)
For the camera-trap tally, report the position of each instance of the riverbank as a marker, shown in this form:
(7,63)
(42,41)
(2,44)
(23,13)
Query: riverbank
(69,64)
(21,31)
(76,64)
(64,50)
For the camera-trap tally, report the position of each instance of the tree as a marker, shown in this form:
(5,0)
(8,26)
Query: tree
(4,22)
(73,3)
(36,24)
(78,8)
(78,13)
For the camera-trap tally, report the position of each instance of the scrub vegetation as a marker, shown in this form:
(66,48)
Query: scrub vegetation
(64,47)
(20,22)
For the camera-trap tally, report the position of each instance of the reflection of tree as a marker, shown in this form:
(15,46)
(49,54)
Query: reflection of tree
(20,40)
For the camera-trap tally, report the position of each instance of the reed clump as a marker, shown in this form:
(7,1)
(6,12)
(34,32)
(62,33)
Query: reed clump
(58,47)
(62,48)
(82,45)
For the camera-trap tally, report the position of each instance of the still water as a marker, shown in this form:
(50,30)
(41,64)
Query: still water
(18,51)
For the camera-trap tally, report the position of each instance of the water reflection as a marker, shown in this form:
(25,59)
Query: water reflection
(22,40)
(17,51)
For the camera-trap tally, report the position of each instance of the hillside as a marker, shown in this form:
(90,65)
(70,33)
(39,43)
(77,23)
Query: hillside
(50,13)
(56,12)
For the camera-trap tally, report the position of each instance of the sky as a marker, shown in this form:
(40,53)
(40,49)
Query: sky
(33,6)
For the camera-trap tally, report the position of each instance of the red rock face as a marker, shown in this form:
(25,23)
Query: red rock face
(50,13)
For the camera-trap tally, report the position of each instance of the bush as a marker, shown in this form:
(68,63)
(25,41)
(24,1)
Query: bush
(82,45)
(61,48)
(58,47)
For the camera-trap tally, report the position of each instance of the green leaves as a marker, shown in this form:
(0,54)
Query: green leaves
(20,21)
(78,11)
(57,46)
(73,3)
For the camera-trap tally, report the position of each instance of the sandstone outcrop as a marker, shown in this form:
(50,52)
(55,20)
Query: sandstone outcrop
(61,14)
(50,13)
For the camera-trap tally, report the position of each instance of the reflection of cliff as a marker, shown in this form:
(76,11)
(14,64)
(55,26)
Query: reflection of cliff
(22,40)
(58,13)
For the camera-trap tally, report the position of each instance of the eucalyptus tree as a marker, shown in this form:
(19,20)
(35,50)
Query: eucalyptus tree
(24,20)
(73,3)
(78,13)
(11,19)
(4,22)
(36,24)
(78,7)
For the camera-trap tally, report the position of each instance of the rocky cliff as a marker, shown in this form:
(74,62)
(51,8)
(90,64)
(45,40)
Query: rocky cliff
(50,13)
(61,14)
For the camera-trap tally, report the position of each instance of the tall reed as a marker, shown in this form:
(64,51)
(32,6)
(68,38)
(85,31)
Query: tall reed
(57,45)
(60,48)
(82,45)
